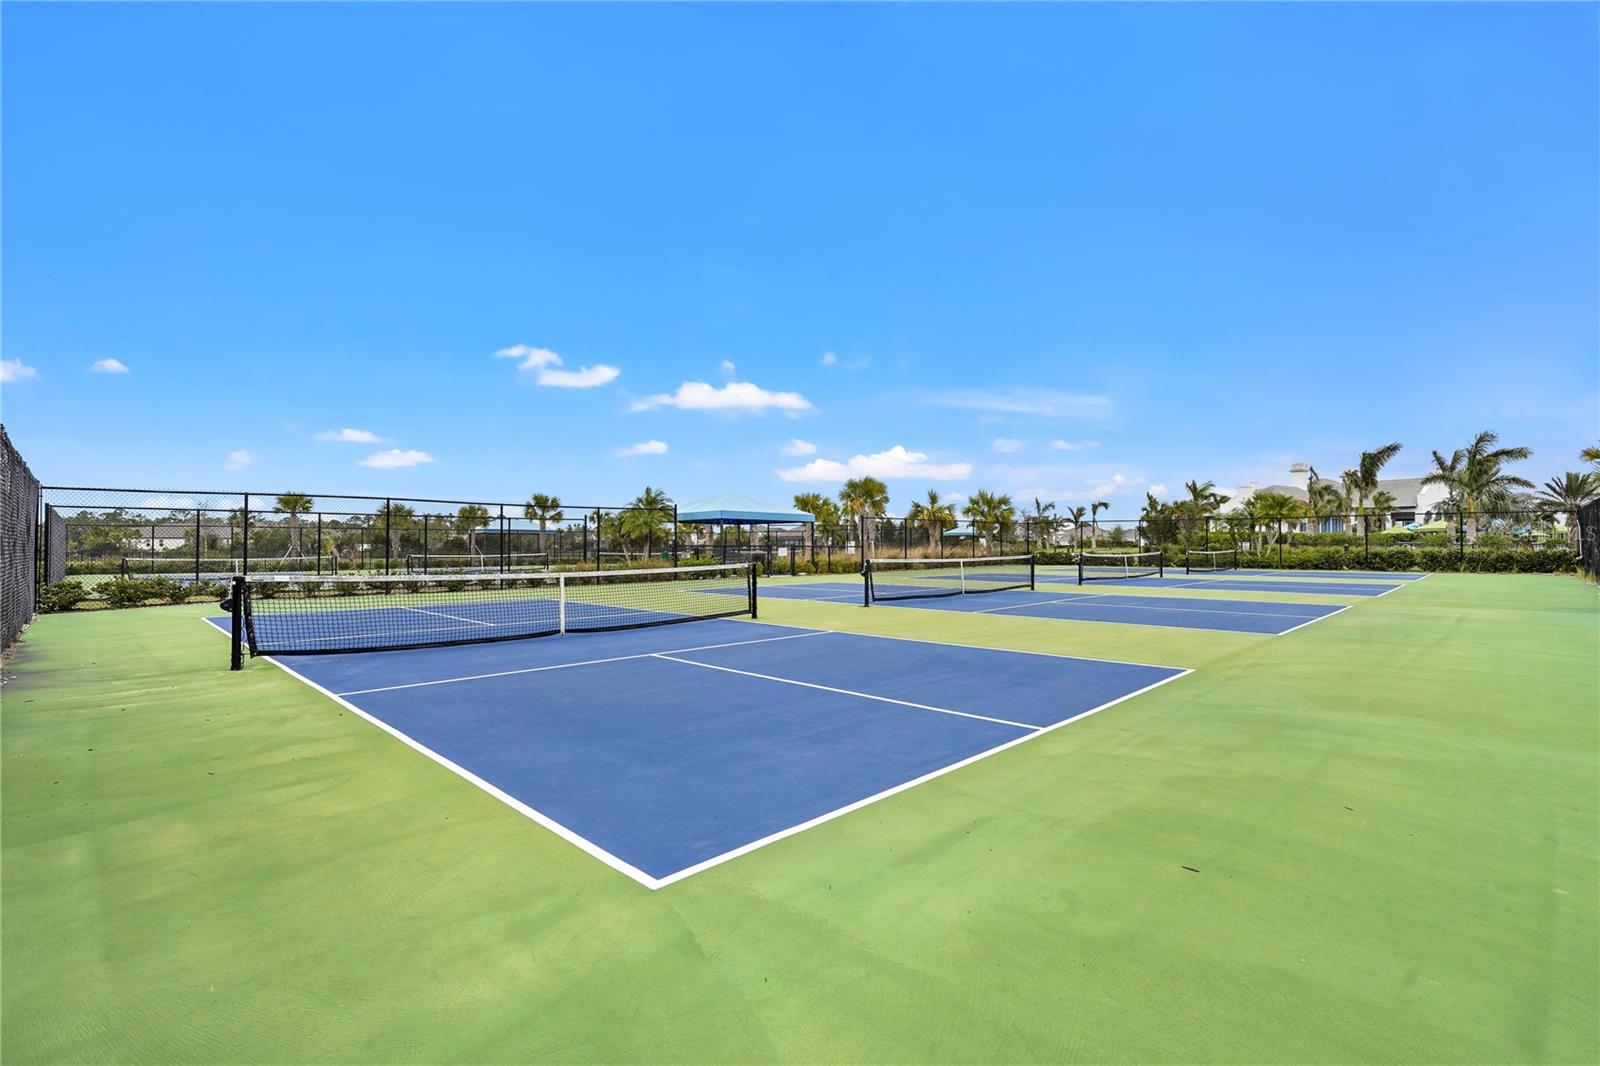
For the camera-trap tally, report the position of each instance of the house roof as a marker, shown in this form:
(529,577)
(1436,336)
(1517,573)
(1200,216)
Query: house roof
(735,507)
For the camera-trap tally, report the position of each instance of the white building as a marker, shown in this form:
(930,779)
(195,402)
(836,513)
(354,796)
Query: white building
(1413,501)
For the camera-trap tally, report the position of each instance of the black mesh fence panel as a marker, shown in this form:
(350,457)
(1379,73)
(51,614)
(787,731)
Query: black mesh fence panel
(55,546)
(19,541)
(1589,538)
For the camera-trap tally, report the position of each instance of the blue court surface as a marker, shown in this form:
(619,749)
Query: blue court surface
(665,751)
(1376,575)
(1231,583)
(1231,616)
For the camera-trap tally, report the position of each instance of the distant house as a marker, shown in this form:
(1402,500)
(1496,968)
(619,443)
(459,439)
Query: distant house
(1413,501)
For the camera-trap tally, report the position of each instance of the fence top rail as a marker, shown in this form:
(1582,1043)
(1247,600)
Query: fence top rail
(336,496)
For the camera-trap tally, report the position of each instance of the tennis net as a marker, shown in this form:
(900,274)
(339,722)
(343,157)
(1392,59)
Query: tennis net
(911,579)
(1118,566)
(417,563)
(280,615)
(1202,560)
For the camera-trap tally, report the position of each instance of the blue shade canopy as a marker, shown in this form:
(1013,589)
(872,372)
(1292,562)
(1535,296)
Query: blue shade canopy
(733,507)
(959,531)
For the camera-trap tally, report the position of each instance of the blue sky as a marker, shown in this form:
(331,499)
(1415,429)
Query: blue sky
(1070,251)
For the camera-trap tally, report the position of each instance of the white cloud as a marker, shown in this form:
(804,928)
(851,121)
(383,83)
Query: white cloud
(897,462)
(1158,491)
(238,460)
(799,447)
(1116,483)
(176,503)
(542,362)
(1008,445)
(1055,403)
(395,459)
(727,366)
(14,370)
(648,447)
(1073,446)
(108,366)
(734,396)
(350,436)
(828,359)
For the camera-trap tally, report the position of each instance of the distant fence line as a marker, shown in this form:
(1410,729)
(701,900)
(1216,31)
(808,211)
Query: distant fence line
(19,503)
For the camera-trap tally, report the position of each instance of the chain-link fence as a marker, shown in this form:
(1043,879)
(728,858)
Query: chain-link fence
(1588,526)
(184,544)
(19,545)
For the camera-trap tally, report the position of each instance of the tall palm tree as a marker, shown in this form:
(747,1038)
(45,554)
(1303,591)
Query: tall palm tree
(1094,520)
(1367,469)
(398,518)
(812,504)
(1044,520)
(1565,494)
(1325,498)
(864,498)
(647,519)
(469,519)
(934,515)
(1077,514)
(1158,522)
(542,507)
(1382,506)
(1475,475)
(990,511)
(293,504)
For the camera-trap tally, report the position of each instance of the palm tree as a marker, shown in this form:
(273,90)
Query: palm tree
(1044,519)
(1158,522)
(1591,455)
(1325,498)
(293,504)
(542,508)
(648,517)
(1277,508)
(1367,470)
(469,519)
(934,515)
(1475,476)
(812,504)
(863,498)
(396,517)
(1094,520)
(1076,514)
(991,511)
(1565,494)
(1382,506)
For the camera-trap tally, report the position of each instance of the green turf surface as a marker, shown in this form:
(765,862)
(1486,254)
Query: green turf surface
(1392,814)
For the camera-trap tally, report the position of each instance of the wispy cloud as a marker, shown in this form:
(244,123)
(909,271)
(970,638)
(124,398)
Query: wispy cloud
(108,366)
(396,459)
(897,462)
(238,460)
(648,447)
(1007,445)
(14,370)
(1158,491)
(1052,403)
(734,396)
(543,364)
(829,359)
(832,359)
(350,436)
(799,447)
(727,366)
(1073,446)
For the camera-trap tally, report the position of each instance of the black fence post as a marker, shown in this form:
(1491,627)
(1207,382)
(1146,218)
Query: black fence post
(319,543)
(1366,540)
(197,545)
(674,534)
(388,512)
(244,556)
(598,543)
(1461,536)
(1280,542)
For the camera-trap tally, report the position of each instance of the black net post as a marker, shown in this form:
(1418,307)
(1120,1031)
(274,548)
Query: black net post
(752,591)
(675,535)
(866,582)
(236,618)
(197,548)
(1032,575)
(319,543)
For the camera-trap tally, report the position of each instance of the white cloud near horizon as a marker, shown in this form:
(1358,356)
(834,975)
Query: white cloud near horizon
(1054,403)
(14,370)
(1073,446)
(897,462)
(108,366)
(799,447)
(238,460)
(350,436)
(734,396)
(647,447)
(396,459)
(1007,445)
(543,364)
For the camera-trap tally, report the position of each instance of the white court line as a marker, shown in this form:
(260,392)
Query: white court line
(1090,597)
(846,692)
(1302,625)
(812,823)
(443,614)
(567,666)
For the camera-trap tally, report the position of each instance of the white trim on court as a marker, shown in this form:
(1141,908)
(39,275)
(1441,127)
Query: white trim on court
(845,692)
(1313,621)
(1092,596)
(443,614)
